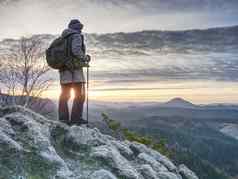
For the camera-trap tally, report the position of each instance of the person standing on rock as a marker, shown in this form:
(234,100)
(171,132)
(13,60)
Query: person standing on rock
(72,76)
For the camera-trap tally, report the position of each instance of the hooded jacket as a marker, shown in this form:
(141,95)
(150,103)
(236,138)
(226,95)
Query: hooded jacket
(75,76)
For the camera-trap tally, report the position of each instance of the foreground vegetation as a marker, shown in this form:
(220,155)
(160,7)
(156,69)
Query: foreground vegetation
(125,134)
(205,150)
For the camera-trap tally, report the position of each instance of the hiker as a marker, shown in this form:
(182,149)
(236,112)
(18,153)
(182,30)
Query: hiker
(72,77)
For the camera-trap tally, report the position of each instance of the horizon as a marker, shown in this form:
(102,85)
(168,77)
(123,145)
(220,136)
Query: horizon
(176,98)
(191,92)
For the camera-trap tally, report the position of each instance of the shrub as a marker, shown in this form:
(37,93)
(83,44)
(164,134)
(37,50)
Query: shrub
(126,134)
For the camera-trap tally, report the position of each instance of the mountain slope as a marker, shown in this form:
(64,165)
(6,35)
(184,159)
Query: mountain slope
(179,102)
(33,147)
(199,136)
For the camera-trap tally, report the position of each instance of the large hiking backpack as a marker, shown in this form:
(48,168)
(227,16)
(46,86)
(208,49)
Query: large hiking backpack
(59,52)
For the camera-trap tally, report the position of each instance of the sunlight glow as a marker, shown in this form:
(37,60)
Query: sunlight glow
(72,94)
(196,92)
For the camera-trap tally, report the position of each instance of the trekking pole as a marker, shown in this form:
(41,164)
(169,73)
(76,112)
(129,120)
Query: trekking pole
(87,91)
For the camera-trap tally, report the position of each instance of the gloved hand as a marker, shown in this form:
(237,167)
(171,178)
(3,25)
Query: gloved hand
(87,58)
(80,63)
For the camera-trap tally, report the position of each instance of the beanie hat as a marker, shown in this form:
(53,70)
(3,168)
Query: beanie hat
(75,24)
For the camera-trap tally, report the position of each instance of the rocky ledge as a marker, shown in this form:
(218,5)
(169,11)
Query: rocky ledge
(33,147)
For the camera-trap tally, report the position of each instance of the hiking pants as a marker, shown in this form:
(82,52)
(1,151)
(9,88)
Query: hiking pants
(78,101)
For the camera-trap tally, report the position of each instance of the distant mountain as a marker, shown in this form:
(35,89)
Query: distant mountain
(179,102)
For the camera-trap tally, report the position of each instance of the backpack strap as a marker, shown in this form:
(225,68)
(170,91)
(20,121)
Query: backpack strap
(69,39)
(83,44)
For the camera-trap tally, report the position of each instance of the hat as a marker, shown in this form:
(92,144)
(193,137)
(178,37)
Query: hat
(75,24)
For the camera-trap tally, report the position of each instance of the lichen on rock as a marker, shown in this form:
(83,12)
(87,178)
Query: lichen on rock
(32,146)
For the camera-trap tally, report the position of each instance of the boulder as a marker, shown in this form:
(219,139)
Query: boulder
(32,146)
(102,174)
(148,172)
(147,159)
(123,148)
(81,136)
(113,157)
(141,148)
(167,175)
(186,172)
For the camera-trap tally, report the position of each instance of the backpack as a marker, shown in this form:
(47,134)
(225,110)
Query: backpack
(59,52)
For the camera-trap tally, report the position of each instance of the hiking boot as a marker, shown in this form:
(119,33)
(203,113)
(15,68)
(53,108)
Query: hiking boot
(82,121)
(79,122)
(65,122)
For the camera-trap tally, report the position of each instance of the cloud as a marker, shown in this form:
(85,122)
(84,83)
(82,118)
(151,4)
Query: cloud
(208,67)
(25,17)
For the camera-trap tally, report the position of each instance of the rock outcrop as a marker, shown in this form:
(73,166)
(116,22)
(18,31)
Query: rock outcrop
(33,147)
(230,130)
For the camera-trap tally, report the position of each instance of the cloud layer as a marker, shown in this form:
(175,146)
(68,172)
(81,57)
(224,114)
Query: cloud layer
(25,17)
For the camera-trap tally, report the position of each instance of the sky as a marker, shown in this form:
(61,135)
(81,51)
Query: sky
(200,78)
(26,17)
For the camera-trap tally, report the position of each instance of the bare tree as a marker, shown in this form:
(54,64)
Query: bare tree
(24,71)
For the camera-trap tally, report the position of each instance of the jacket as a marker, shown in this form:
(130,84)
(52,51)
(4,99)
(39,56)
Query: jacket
(76,75)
